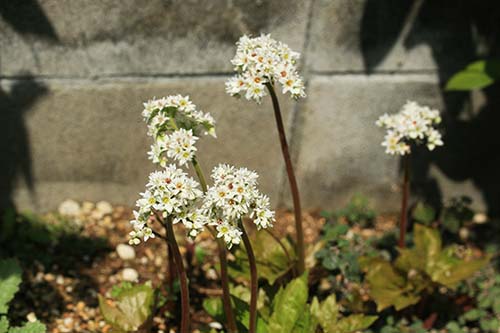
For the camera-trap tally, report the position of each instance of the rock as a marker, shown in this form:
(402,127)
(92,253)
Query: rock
(31,317)
(130,274)
(125,252)
(87,207)
(60,280)
(49,277)
(104,207)
(69,208)
(480,218)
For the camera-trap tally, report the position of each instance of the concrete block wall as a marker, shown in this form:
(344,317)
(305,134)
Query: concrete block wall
(73,75)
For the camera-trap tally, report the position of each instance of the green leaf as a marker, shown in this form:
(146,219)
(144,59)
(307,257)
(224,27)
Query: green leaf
(477,75)
(423,213)
(353,323)
(10,279)
(424,254)
(242,314)
(449,270)
(387,286)
(328,312)
(333,233)
(213,306)
(117,290)
(133,308)
(306,322)
(272,261)
(35,327)
(4,324)
(289,305)
(451,222)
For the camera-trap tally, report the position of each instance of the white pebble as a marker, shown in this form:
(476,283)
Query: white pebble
(125,252)
(69,208)
(130,274)
(31,317)
(104,207)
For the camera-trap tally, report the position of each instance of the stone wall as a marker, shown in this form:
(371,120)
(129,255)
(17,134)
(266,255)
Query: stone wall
(73,75)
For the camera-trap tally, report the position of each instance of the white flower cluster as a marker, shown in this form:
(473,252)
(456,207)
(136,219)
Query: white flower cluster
(169,193)
(176,115)
(233,196)
(262,60)
(178,146)
(413,124)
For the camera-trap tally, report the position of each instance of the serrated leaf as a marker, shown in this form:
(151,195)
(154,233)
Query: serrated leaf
(272,262)
(10,279)
(477,75)
(387,287)
(328,312)
(450,270)
(289,305)
(133,308)
(35,327)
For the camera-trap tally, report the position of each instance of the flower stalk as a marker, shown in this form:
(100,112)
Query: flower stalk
(181,271)
(226,296)
(292,181)
(404,201)
(253,279)
(412,126)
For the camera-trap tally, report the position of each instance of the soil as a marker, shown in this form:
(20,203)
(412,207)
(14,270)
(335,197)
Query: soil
(63,294)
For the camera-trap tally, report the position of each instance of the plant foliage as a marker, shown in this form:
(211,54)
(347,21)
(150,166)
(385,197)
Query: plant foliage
(476,75)
(10,279)
(418,270)
(132,307)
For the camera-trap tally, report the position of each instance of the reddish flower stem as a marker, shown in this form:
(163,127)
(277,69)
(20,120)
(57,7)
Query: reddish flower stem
(253,279)
(404,201)
(291,179)
(181,271)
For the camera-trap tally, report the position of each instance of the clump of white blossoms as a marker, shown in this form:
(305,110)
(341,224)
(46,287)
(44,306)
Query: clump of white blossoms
(175,124)
(413,124)
(234,196)
(170,193)
(179,146)
(262,60)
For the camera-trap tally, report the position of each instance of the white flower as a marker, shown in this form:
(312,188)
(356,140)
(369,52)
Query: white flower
(179,146)
(170,193)
(234,196)
(158,113)
(262,60)
(413,124)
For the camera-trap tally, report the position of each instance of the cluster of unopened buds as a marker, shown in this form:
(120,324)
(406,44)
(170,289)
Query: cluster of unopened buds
(414,124)
(260,61)
(234,196)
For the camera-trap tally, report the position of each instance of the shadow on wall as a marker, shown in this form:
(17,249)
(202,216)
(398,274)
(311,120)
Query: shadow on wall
(26,18)
(458,33)
(15,156)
